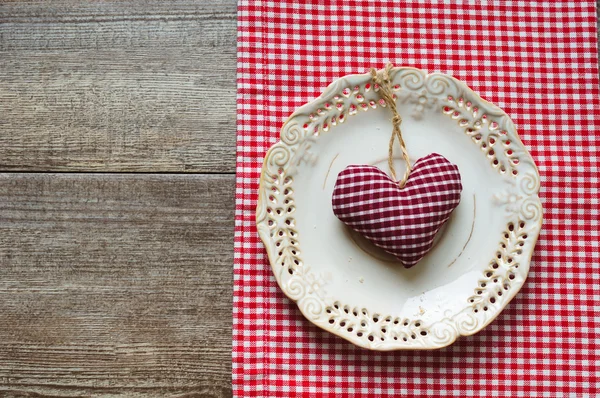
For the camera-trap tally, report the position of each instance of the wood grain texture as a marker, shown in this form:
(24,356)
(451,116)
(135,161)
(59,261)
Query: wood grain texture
(115,284)
(118,86)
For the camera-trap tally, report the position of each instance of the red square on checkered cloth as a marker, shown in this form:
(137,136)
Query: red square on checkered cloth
(401,221)
(536,60)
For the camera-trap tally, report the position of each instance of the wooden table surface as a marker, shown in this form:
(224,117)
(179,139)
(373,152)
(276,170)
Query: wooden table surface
(117,162)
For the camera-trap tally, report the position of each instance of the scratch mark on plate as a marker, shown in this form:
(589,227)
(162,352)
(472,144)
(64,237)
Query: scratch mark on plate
(471,234)
(329,169)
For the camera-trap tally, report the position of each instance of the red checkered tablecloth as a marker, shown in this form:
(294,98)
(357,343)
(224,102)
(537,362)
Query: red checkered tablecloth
(536,60)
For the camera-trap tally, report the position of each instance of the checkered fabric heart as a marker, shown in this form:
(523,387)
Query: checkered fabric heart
(401,221)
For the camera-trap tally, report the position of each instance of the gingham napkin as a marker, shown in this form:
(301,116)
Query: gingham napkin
(536,60)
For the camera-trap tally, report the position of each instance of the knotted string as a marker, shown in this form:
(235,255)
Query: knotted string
(382,79)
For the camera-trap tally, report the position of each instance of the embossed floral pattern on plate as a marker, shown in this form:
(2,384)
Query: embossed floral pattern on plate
(514,199)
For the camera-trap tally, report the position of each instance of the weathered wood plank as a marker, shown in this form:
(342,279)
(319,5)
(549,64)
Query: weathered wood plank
(118,86)
(116,284)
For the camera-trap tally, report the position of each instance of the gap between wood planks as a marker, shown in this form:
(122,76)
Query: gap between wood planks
(180,173)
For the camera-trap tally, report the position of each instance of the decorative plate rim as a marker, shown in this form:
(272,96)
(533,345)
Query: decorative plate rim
(385,333)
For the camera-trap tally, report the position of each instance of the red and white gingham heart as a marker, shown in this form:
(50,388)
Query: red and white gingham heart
(401,221)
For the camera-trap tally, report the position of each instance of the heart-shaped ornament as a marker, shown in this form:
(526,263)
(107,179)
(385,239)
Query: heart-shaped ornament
(401,221)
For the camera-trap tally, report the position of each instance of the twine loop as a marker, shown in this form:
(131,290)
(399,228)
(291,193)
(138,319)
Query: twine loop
(382,79)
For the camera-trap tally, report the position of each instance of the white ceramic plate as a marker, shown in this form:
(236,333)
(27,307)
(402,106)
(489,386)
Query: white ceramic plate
(347,286)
